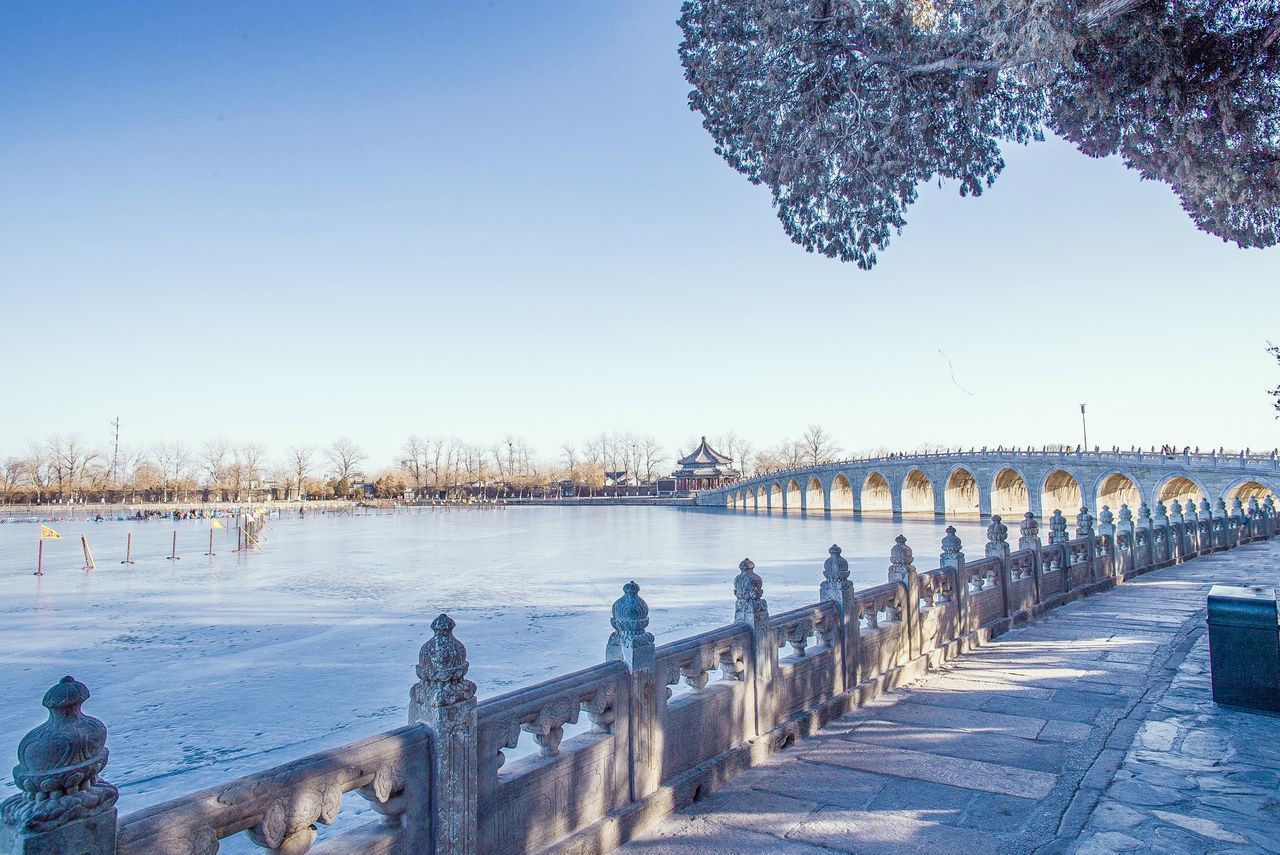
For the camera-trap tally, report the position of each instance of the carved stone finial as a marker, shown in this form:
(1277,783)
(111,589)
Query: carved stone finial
(836,568)
(1237,508)
(1058,527)
(58,767)
(1161,511)
(1253,505)
(1105,517)
(631,617)
(1175,510)
(997,538)
(951,546)
(1269,505)
(442,668)
(748,591)
(900,558)
(1126,515)
(1029,529)
(1144,514)
(1221,509)
(1084,523)
(1206,510)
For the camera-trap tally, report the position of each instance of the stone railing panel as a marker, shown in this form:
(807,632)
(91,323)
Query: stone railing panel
(986,599)
(713,716)
(809,674)
(279,808)
(881,615)
(540,798)
(939,608)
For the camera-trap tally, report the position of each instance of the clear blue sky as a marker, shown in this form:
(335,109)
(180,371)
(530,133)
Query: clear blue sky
(291,221)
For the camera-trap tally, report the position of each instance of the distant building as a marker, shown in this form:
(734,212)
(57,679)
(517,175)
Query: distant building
(704,469)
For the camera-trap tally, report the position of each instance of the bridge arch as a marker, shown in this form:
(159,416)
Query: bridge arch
(843,497)
(1061,490)
(1116,488)
(792,496)
(961,493)
(1250,487)
(815,495)
(1182,486)
(877,496)
(1009,492)
(776,494)
(917,493)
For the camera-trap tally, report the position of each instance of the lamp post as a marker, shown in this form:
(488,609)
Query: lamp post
(1084,427)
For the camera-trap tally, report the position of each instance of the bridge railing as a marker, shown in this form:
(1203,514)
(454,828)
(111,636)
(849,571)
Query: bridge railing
(623,743)
(1244,460)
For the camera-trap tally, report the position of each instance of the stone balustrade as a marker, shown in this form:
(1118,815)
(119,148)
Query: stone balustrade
(659,731)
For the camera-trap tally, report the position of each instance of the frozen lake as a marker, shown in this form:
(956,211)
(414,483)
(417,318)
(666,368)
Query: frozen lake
(208,668)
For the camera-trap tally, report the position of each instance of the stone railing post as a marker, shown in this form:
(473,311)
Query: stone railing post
(998,547)
(751,608)
(1255,518)
(1059,538)
(632,644)
(1029,538)
(1084,530)
(1144,523)
(952,557)
(1160,520)
(1127,561)
(902,569)
(1223,523)
(1107,529)
(63,807)
(445,700)
(1208,540)
(1269,510)
(1238,522)
(836,588)
(1178,529)
(1192,524)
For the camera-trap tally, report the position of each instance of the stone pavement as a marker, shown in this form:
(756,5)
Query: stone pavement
(1028,745)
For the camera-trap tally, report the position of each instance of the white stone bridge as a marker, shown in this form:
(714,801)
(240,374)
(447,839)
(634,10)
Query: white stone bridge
(1004,482)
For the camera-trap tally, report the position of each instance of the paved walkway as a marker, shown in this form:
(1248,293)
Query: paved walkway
(1028,745)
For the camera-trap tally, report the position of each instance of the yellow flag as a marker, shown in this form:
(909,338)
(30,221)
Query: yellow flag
(47,533)
(214,522)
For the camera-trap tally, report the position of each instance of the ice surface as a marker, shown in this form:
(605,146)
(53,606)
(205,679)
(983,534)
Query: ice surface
(208,668)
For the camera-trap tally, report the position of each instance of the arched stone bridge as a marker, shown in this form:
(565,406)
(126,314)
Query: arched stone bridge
(1004,482)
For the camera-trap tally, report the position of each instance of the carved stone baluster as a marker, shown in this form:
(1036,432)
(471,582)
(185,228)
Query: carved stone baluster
(1144,525)
(635,649)
(1178,529)
(446,701)
(903,569)
(998,547)
(1058,528)
(952,557)
(62,806)
(836,588)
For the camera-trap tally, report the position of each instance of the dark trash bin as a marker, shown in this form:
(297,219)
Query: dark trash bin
(1244,646)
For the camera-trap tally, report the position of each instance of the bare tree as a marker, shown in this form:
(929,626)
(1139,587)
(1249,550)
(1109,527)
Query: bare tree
(301,463)
(819,446)
(345,457)
(737,448)
(213,462)
(250,462)
(414,462)
(174,463)
(652,457)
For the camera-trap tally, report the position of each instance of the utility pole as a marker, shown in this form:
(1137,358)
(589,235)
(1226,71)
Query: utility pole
(1084,427)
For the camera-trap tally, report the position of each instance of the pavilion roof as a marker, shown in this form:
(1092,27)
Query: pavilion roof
(705,455)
